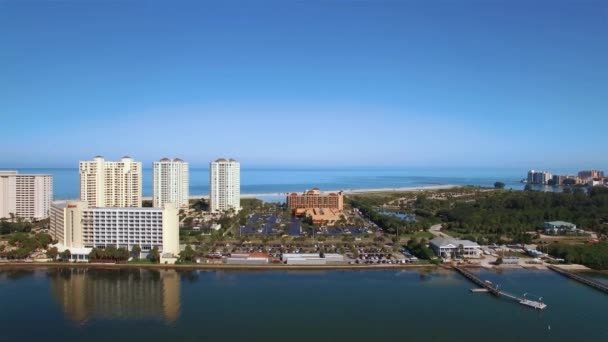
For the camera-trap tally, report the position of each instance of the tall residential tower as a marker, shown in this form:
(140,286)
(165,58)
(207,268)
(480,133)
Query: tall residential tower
(110,183)
(224,185)
(27,196)
(170,183)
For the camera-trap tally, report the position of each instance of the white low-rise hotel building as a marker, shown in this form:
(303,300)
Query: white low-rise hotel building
(449,248)
(76,226)
(170,183)
(27,196)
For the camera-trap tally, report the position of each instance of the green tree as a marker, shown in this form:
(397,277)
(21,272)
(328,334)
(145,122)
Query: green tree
(499,185)
(52,253)
(66,255)
(187,255)
(136,251)
(307,219)
(110,253)
(95,254)
(122,254)
(154,255)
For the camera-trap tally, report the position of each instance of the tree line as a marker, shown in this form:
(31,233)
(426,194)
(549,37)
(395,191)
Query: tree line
(512,213)
(591,255)
(389,223)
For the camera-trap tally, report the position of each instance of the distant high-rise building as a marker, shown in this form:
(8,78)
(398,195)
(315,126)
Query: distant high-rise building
(111,183)
(591,174)
(27,196)
(170,183)
(539,177)
(224,185)
(559,179)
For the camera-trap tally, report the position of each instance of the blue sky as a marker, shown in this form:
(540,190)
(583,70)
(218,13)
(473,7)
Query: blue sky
(314,83)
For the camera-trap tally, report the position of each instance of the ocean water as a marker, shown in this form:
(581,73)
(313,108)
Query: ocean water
(276,180)
(86,304)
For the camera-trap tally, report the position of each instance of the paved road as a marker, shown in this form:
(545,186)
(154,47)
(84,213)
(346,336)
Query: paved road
(435,230)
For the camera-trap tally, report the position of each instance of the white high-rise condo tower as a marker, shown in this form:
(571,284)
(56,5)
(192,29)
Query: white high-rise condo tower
(26,196)
(110,183)
(170,183)
(224,185)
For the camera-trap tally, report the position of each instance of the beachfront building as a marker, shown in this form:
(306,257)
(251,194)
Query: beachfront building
(322,208)
(559,227)
(27,196)
(224,185)
(314,198)
(111,183)
(449,248)
(539,177)
(559,179)
(170,183)
(586,175)
(80,227)
(321,216)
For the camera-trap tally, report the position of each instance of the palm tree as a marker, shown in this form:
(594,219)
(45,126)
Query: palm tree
(66,255)
(136,251)
(154,255)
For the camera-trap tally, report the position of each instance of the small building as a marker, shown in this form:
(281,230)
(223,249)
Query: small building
(286,256)
(558,227)
(216,226)
(334,257)
(77,254)
(321,216)
(307,261)
(449,248)
(246,261)
(168,258)
(311,258)
(510,260)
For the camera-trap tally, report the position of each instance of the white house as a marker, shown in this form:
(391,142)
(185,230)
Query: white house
(558,227)
(449,248)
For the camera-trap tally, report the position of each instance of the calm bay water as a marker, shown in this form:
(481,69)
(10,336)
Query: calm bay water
(266,181)
(167,305)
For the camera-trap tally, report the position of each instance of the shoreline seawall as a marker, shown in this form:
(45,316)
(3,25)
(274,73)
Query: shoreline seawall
(271,267)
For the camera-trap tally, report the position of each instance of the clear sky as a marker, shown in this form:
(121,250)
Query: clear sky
(496,83)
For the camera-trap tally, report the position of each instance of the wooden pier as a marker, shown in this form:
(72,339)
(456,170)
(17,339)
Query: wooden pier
(596,285)
(493,289)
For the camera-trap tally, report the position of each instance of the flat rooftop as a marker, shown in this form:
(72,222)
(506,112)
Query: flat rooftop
(64,204)
(16,173)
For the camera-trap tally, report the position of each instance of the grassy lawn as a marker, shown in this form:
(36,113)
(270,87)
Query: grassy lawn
(423,235)
(417,235)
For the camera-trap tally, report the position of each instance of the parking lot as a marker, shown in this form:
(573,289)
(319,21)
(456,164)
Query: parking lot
(273,224)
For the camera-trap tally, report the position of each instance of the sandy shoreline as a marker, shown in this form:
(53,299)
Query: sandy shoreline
(346,191)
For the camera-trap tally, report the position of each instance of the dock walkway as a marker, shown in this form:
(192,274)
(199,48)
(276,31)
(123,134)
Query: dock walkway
(499,293)
(596,285)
